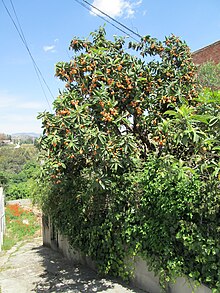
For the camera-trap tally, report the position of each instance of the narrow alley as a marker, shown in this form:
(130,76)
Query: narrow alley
(31,267)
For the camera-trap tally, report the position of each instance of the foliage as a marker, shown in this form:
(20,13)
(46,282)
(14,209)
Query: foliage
(21,224)
(20,185)
(131,156)
(12,159)
(182,210)
(209,75)
(18,166)
(3,179)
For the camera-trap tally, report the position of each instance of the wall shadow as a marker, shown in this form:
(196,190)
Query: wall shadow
(61,275)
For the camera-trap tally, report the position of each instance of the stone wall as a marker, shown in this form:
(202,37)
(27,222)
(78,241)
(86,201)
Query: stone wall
(143,278)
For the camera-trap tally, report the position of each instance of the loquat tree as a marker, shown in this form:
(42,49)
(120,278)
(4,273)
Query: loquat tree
(128,134)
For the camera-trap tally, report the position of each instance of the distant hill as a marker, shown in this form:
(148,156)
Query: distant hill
(25,135)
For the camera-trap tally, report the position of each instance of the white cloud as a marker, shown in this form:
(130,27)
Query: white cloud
(30,105)
(8,101)
(49,48)
(115,8)
(18,114)
(12,123)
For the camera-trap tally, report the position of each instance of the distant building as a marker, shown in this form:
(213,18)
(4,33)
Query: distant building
(5,142)
(208,53)
(5,139)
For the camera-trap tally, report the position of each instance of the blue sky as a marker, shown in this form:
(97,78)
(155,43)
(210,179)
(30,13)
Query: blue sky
(49,26)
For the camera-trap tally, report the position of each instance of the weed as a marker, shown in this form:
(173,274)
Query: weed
(21,224)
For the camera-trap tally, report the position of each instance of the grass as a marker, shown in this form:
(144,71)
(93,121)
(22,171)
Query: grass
(21,224)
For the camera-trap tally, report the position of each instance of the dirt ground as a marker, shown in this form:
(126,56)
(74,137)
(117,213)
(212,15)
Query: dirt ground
(31,267)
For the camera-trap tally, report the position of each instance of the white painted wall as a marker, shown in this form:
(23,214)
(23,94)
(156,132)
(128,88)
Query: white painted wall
(143,278)
(2,216)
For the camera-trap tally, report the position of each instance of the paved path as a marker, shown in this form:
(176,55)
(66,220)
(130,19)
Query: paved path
(31,267)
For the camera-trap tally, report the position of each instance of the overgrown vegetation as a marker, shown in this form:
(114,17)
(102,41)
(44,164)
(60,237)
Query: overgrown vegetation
(18,170)
(209,75)
(21,224)
(131,158)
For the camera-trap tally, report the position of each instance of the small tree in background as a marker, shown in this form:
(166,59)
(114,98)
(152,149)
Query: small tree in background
(209,75)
